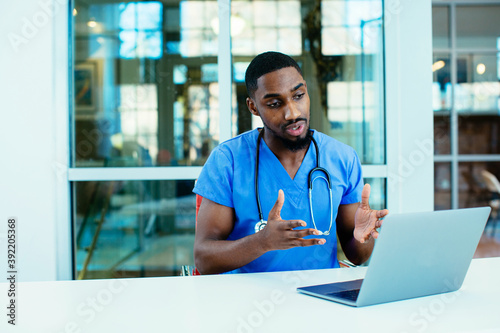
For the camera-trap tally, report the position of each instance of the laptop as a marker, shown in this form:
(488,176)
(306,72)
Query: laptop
(415,255)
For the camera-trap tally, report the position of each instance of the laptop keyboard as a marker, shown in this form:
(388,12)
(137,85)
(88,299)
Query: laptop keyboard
(346,294)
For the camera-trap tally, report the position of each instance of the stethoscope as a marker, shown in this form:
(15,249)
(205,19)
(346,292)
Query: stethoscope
(262,223)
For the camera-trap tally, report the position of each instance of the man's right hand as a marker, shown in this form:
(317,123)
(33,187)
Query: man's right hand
(281,234)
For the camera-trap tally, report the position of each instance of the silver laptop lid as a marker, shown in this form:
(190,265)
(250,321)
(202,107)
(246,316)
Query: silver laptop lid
(421,254)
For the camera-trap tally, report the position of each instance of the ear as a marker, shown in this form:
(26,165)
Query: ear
(251,107)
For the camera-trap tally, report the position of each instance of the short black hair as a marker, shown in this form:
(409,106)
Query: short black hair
(264,63)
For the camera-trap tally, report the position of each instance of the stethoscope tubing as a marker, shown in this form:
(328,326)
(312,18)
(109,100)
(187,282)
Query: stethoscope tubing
(262,223)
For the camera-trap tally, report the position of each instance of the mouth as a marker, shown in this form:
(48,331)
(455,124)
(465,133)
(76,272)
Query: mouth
(296,129)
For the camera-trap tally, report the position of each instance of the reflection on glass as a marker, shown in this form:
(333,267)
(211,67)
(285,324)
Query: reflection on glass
(199,28)
(352,38)
(133,228)
(180,74)
(137,141)
(440,27)
(378,192)
(351,27)
(472,187)
(204,119)
(140,25)
(442,136)
(259,26)
(239,69)
(478,134)
(341,59)
(478,88)
(145,83)
(478,26)
(441,86)
(442,186)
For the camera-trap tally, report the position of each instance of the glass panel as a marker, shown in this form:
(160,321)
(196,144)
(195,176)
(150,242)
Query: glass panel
(378,192)
(478,26)
(478,103)
(339,46)
(441,86)
(145,83)
(442,186)
(478,88)
(473,191)
(256,27)
(479,134)
(133,228)
(440,27)
(442,136)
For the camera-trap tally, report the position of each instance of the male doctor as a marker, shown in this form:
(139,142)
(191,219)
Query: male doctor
(300,232)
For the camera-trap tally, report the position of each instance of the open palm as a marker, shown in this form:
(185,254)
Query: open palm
(367,220)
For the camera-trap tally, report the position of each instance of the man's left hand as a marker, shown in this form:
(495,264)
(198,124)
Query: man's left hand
(367,220)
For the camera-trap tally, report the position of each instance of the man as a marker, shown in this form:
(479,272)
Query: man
(300,233)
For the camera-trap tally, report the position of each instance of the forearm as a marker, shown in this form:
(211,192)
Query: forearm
(219,256)
(356,251)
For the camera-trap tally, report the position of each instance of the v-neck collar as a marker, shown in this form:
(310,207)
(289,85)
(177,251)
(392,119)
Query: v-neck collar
(293,188)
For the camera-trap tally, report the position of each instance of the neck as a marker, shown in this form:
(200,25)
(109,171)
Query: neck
(290,159)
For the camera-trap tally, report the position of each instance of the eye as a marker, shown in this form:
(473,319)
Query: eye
(299,96)
(274,105)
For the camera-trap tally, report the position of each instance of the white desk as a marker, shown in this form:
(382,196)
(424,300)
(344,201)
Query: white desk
(265,302)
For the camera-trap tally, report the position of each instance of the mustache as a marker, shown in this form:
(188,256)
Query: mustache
(284,126)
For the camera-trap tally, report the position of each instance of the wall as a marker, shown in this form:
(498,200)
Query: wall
(33,144)
(410,152)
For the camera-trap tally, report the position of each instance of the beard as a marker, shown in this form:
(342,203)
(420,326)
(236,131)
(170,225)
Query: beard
(292,145)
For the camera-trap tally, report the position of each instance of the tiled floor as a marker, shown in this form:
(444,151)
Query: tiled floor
(489,245)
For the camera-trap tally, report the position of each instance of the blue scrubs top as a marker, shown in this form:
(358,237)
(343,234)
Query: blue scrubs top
(228,179)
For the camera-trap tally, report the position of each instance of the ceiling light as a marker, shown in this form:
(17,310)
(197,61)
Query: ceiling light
(438,65)
(480,69)
(237,25)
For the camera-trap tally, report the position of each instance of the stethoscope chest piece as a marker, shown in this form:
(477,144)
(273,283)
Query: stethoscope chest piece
(260,225)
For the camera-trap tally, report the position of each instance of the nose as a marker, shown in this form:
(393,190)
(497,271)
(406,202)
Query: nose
(292,111)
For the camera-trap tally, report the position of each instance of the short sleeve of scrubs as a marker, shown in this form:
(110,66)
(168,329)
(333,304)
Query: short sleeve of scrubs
(216,179)
(354,182)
